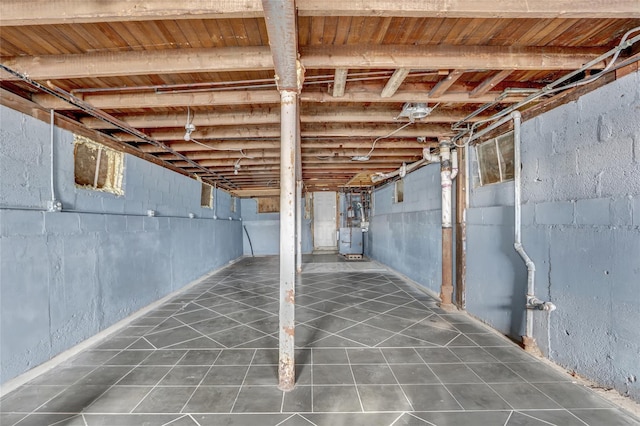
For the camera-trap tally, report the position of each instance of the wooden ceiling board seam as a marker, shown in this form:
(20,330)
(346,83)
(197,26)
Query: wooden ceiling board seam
(185,31)
(240,33)
(254,32)
(115,33)
(342,31)
(355,30)
(317,32)
(226,33)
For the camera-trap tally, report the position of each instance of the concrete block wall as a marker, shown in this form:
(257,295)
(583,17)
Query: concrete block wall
(264,230)
(407,236)
(581,226)
(66,276)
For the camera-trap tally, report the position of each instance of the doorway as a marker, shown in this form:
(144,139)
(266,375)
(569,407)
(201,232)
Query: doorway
(324,221)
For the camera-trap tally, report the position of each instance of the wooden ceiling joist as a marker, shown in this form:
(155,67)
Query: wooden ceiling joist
(394,82)
(346,130)
(257,97)
(226,59)
(306,152)
(231,145)
(339,82)
(19,12)
(470,8)
(443,85)
(270,116)
(489,83)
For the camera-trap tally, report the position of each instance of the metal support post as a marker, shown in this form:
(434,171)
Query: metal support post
(288,120)
(298,196)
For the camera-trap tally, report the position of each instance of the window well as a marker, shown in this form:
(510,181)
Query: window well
(96,167)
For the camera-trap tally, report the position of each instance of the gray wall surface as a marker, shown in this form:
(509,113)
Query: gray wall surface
(66,276)
(264,230)
(581,227)
(407,236)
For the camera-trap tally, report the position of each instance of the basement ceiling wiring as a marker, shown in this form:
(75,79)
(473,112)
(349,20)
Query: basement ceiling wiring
(554,87)
(107,118)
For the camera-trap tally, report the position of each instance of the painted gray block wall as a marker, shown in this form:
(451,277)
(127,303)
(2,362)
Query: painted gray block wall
(264,230)
(581,226)
(407,236)
(66,276)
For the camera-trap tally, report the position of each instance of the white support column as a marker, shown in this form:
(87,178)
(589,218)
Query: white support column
(298,196)
(289,117)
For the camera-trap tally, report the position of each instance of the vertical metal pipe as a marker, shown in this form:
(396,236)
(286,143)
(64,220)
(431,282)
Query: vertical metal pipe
(288,138)
(461,230)
(446,289)
(298,195)
(528,340)
(299,226)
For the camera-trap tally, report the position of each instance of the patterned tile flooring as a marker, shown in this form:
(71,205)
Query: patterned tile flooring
(371,350)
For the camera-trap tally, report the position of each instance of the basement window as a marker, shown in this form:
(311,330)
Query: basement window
(96,167)
(495,159)
(399,191)
(268,205)
(206,196)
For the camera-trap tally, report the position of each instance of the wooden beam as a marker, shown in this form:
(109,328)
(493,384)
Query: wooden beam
(224,59)
(489,83)
(444,84)
(394,82)
(404,96)
(124,101)
(448,57)
(415,130)
(307,153)
(339,82)
(230,145)
(168,100)
(50,12)
(472,8)
(272,116)
(142,62)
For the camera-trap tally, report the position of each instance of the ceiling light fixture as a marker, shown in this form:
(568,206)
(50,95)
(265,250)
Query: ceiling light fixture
(412,111)
(189,127)
(415,111)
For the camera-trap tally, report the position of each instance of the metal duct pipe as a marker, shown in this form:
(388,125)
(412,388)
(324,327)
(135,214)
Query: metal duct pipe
(532,302)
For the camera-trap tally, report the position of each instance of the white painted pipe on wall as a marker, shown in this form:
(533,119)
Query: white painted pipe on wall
(532,301)
(53,205)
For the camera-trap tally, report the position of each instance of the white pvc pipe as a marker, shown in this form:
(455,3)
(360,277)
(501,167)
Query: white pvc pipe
(52,124)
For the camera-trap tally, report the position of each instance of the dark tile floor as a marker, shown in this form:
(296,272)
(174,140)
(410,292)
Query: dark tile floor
(372,350)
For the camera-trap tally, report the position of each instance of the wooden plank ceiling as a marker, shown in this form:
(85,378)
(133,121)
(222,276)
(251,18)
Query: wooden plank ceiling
(153,64)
